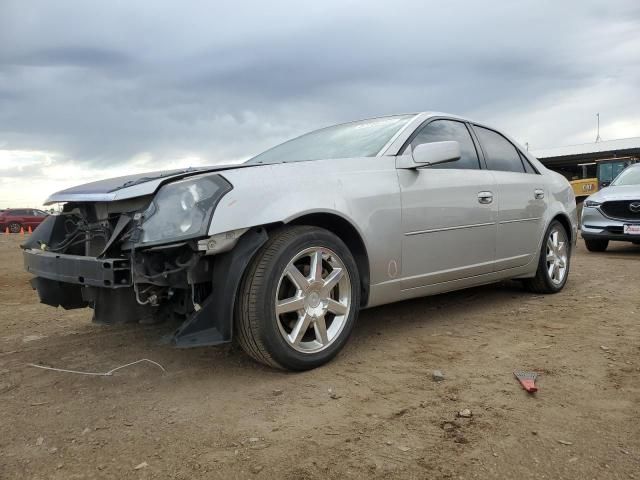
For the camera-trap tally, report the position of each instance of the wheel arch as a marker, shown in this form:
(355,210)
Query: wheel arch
(566,223)
(541,282)
(350,235)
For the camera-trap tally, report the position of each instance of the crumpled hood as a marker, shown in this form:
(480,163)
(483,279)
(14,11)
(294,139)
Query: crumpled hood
(622,192)
(129,186)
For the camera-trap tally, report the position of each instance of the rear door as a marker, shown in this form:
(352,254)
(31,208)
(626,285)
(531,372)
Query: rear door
(448,213)
(520,199)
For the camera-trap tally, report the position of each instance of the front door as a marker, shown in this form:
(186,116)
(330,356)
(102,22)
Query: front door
(448,213)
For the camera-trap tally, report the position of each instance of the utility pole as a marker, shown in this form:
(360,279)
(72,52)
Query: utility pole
(598,130)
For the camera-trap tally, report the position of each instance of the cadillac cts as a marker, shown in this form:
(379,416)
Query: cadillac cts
(282,251)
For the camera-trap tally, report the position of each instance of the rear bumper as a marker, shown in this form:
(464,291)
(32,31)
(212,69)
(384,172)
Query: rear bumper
(78,270)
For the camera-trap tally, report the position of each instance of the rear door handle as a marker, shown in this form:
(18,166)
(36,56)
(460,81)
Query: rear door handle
(485,197)
(538,194)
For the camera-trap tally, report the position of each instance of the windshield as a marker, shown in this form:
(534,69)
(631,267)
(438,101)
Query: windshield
(356,139)
(610,170)
(631,176)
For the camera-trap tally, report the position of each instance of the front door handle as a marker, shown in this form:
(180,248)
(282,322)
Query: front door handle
(485,197)
(538,194)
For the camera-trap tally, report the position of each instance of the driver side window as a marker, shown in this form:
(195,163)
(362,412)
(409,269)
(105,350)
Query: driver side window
(447,130)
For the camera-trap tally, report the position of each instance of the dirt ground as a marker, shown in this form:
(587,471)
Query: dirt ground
(216,414)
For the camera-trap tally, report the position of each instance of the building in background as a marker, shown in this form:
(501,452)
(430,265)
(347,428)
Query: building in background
(591,166)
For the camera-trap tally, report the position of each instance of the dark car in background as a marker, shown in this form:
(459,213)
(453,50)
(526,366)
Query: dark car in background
(16,218)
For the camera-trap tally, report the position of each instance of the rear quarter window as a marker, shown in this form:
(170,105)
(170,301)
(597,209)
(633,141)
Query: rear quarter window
(528,168)
(499,153)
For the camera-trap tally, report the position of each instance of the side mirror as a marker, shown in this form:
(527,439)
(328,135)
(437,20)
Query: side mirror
(428,154)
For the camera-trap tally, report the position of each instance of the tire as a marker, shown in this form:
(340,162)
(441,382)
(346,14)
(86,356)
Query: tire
(558,255)
(293,338)
(596,245)
(14,227)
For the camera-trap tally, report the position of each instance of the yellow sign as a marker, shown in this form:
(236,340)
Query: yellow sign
(584,187)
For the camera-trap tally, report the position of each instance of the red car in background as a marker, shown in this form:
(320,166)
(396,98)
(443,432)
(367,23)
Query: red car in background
(16,218)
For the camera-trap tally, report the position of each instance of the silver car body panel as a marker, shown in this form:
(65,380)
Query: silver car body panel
(363,191)
(520,215)
(425,230)
(441,215)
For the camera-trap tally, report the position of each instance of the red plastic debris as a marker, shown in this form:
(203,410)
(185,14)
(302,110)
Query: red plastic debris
(527,380)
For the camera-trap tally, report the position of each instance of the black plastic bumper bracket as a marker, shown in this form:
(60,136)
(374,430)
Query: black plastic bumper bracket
(212,324)
(77,269)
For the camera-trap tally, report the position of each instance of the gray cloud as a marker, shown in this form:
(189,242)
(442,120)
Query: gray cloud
(99,82)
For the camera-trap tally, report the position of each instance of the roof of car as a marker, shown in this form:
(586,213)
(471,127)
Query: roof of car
(424,114)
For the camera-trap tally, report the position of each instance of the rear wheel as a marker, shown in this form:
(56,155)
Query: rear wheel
(14,227)
(596,245)
(553,265)
(299,299)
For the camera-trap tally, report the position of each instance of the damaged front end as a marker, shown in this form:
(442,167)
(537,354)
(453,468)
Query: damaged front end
(146,259)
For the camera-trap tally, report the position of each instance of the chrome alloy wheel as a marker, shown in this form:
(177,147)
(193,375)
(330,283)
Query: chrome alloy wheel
(557,256)
(313,300)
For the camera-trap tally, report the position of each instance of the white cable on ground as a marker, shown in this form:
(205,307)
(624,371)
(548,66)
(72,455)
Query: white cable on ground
(106,374)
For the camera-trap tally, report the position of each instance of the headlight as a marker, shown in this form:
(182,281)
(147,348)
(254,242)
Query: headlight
(591,203)
(183,209)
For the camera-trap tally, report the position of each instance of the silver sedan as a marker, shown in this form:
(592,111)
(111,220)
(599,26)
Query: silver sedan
(281,252)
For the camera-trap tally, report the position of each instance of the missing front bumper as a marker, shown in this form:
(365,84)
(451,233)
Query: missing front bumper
(72,281)
(78,270)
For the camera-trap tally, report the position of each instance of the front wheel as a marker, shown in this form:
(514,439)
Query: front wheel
(299,299)
(14,227)
(553,265)
(596,245)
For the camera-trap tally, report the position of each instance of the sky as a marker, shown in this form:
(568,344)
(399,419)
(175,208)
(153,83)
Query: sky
(90,90)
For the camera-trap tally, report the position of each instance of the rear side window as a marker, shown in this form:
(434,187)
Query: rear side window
(446,130)
(528,168)
(499,153)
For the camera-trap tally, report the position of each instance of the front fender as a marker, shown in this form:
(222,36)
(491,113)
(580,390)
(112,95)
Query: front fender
(212,322)
(365,192)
